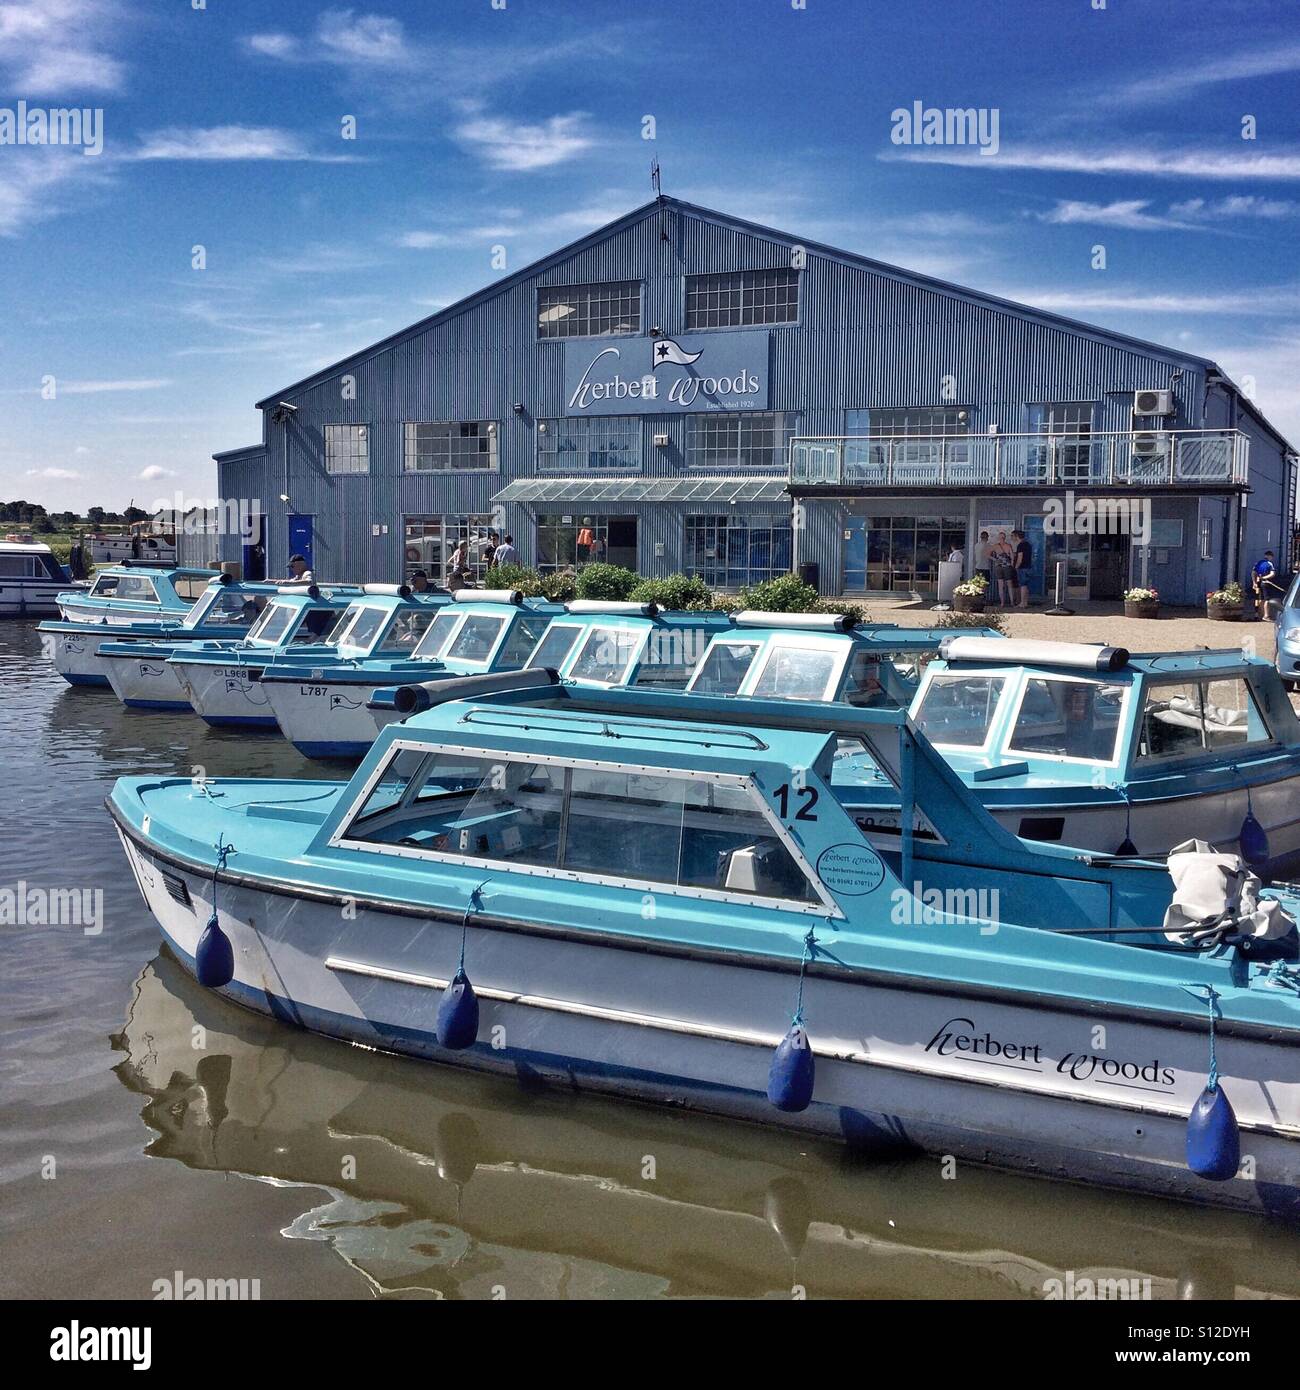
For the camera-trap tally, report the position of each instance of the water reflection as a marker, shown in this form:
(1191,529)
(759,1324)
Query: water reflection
(434,1182)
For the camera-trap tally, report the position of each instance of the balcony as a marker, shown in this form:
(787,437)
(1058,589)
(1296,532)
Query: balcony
(1120,458)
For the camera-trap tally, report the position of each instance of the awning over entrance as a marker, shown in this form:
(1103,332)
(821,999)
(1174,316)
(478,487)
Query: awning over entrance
(711,491)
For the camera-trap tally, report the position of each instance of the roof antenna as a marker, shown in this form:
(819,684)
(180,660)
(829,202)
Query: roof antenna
(659,195)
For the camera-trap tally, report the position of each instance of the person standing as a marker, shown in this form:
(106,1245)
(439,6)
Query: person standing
(1003,560)
(506,554)
(1263,581)
(1023,558)
(982,565)
(458,571)
(298,571)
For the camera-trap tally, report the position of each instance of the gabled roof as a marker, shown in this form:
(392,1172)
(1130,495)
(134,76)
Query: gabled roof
(722,219)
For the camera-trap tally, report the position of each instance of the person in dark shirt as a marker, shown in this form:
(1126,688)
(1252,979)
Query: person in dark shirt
(1024,557)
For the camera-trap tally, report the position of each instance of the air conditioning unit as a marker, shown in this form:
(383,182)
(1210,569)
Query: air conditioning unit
(1149,443)
(661,441)
(1153,402)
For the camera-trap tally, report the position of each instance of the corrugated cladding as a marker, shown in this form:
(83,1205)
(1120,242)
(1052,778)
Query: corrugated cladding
(867,336)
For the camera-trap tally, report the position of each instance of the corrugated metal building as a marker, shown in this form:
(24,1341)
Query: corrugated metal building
(685,391)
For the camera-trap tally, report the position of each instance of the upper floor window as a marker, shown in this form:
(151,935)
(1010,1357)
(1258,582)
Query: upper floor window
(736,298)
(907,420)
(601,442)
(748,439)
(347,449)
(589,311)
(448,445)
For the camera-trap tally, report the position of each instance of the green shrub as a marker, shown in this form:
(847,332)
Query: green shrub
(677,593)
(788,594)
(954,619)
(611,583)
(560,586)
(856,612)
(527,581)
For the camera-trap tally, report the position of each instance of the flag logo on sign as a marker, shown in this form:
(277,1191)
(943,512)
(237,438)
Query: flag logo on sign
(665,350)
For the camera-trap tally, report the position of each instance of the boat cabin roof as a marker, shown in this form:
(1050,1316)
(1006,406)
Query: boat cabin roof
(1021,711)
(817,657)
(606,644)
(479,632)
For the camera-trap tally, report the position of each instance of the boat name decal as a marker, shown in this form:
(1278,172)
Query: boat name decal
(960,1037)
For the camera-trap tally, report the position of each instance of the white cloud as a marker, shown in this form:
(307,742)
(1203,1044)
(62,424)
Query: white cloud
(1129,213)
(342,37)
(53,473)
(1240,205)
(520,146)
(39,183)
(231,142)
(1275,300)
(57,47)
(154,472)
(274,45)
(1151,162)
(1178,80)
(97,388)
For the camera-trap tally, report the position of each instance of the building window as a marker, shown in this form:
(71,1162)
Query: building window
(573,540)
(1069,423)
(728,551)
(741,298)
(907,420)
(449,445)
(604,443)
(589,311)
(428,543)
(899,552)
(347,449)
(751,440)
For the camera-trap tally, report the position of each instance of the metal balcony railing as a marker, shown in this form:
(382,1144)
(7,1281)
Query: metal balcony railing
(1119,458)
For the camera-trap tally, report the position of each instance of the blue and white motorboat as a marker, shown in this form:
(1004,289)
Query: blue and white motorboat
(1111,752)
(31,579)
(222,681)
(134,594)
(819,656)
(322,707)
(661,896)
(226,609)
(589,642)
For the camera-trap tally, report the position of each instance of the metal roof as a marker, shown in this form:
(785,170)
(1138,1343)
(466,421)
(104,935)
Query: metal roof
(713,490)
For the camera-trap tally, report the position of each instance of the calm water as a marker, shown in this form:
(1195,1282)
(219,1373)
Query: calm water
(329,1171)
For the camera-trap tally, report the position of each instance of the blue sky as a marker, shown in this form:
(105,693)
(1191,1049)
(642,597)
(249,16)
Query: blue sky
(522,126)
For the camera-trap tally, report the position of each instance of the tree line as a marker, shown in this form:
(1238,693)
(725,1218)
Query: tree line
(35,517)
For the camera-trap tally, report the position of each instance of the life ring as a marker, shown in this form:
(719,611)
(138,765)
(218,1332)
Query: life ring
(413,554)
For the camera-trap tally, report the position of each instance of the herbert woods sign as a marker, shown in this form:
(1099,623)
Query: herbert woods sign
(659,376)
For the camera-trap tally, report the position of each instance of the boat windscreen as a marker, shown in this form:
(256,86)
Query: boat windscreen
(225,607)
(724,667)
(607,823)
(1060,718)
(794,671)
(554,648)
(957,710)
(476,638)
(405,632)
(437,635)
(606,655)
(272,625)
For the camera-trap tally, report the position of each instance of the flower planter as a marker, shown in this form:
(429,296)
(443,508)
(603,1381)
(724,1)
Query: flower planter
(1141,607)
(968,603)
(1224,612)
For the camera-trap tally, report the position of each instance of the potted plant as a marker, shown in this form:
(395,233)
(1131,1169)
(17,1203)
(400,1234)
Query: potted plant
(1141,603)
(971,595)
(1225,603)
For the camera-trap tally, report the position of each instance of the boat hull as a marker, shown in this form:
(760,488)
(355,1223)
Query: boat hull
(30,597)
(75,656)
(323,719)
(145,681)
(224,694)
(895,1067)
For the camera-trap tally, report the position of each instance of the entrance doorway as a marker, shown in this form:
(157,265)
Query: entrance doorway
(301,536)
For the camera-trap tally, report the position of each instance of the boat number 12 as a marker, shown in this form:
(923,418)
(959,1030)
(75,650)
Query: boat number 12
(805,812)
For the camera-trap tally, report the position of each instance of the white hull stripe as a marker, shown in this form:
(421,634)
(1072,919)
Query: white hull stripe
(754,1039)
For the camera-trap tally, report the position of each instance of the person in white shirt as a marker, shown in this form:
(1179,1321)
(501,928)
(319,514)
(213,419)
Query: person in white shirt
(298,571)
(506,554)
